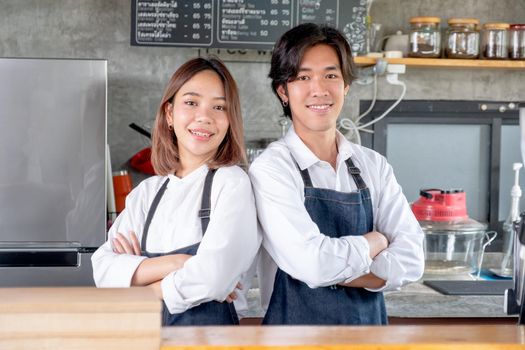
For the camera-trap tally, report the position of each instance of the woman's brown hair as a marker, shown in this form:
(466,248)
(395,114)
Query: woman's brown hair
(165,153)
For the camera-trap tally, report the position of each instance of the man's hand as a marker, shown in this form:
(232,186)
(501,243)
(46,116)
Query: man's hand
(366,281)
(377,242)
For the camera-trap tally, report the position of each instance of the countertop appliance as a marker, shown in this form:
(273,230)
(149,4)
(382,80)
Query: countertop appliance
(53,169)
(454,243)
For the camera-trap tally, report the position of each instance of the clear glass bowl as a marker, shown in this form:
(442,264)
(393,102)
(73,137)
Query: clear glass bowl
(453,247)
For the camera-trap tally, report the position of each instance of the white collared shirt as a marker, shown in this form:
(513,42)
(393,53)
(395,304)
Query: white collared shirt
(227,249)
(294,241)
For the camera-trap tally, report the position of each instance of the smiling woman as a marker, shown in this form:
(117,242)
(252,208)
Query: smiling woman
(190,233)
(199,118)
(205,90)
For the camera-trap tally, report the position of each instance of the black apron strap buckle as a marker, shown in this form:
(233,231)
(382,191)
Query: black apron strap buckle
(204,213)
(353,170)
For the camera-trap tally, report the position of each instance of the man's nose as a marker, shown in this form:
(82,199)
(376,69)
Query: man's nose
(318,87)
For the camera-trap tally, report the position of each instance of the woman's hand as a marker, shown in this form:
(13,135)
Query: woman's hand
(150,270)
(233,295)
(121,245)
(155,269)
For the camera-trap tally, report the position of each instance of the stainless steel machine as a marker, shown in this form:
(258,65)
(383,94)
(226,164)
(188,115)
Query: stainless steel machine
(53,169)
(515,297)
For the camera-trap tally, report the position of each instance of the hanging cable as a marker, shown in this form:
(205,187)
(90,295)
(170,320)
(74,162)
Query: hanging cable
(372,104)
(393,80)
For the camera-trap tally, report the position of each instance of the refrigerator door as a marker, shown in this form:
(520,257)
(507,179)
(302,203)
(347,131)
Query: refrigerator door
(52,151)
(52,169)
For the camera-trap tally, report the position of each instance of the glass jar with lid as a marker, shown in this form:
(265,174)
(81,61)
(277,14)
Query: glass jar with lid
(425,37)
(517,42)
(495,41)
(462,38)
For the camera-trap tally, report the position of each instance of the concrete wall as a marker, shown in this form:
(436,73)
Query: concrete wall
(137,75)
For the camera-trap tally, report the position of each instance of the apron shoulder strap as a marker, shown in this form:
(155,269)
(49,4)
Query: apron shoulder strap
(151,212)
(205,211)
(356,174)
(307,180)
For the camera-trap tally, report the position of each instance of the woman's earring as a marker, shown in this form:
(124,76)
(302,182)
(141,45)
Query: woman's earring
(170,127)
(285,103)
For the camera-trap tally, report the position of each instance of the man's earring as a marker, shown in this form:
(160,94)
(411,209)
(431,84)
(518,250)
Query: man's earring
(170,127)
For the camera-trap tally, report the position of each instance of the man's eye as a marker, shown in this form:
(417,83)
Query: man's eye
(331,76)
(302,77)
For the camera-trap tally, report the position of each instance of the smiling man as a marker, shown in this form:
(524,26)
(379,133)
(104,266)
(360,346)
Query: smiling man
(337,228)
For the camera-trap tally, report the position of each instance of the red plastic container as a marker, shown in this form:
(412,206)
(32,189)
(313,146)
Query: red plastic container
(122,186)
(440,205)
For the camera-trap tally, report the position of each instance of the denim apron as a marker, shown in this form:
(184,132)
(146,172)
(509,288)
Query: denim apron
(336,214)
(209,313)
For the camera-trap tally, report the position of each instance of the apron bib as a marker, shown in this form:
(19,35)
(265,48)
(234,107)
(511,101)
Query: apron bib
(209,313)
(336,214)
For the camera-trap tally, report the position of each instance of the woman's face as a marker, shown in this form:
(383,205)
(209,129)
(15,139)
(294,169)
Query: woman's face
(199,115)
(316,96)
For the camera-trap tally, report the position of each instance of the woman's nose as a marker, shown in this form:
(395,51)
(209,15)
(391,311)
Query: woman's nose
(202,116)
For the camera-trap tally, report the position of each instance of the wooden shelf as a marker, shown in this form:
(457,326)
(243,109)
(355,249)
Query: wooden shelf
(445,63)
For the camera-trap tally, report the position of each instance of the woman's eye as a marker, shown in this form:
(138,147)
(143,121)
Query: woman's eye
(220,108)
(190,103)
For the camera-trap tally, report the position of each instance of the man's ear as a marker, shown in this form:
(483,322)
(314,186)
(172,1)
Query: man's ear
(281,91)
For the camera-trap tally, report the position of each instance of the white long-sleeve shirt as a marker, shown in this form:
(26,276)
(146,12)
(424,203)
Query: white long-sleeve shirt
(295,243)
(227,249)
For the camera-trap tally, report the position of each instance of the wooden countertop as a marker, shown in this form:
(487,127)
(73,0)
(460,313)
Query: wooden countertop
(77,299)
(343,337)
(129,318)
(79,318)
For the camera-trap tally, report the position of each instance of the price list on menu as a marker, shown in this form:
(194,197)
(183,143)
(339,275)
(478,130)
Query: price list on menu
(175,23)
(253,22)
(241,24)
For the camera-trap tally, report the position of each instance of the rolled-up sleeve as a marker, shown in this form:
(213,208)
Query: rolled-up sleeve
(111,270)
(403,261)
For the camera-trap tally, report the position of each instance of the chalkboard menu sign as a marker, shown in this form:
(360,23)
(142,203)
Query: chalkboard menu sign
(240,24)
